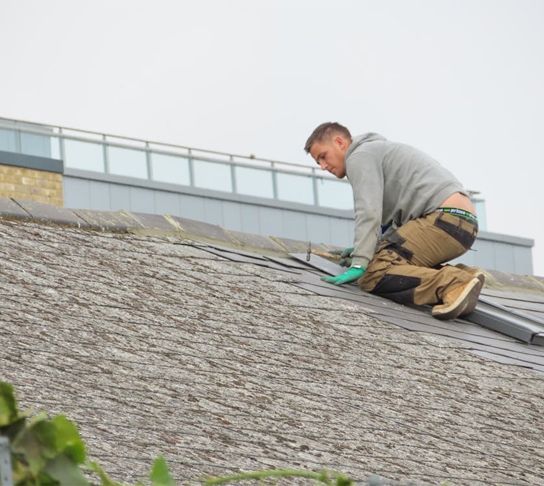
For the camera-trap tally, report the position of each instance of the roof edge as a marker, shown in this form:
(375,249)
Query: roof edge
(184,228)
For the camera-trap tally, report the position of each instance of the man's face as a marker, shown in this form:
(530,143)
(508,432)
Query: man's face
(330,154)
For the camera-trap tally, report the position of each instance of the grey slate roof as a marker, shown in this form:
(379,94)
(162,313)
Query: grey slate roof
(224,361)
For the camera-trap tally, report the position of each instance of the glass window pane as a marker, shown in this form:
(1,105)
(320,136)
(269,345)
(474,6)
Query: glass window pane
(83,155)
(55,148)
(127,162)
(33,144)
(170,168)
(334,194)
(479,205)
(210,175)
(254,182)
(295,188)
(8,139)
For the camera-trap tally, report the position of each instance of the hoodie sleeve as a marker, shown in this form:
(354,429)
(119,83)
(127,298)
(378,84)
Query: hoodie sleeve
(365,174)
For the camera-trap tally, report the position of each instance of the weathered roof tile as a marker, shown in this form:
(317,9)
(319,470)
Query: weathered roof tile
(9,209)
(114,221)
(200,231)
(262,243)
(51,214)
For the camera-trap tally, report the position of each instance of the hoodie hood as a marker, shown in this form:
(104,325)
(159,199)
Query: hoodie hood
(364,138)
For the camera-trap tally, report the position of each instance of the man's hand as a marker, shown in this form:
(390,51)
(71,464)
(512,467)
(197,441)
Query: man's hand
(345,256)
(350,275)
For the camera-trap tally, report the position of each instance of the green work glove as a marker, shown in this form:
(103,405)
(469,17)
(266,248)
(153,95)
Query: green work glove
(350,275)
(345,256)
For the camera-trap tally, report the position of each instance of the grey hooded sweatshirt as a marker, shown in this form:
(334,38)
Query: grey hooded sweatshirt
(392,183)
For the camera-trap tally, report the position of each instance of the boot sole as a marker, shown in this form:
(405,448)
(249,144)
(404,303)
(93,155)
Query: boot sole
(464,304)
(480,276)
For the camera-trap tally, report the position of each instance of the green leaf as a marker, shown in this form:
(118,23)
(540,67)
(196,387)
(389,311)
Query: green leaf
(28,443)
(160,476)
(44,480)
(103,475)
(20,471)
(12,430)
(67,473)
(67,439)
(8,405)
(44,440)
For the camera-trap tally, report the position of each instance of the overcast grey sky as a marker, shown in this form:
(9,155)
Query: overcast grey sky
(460,79)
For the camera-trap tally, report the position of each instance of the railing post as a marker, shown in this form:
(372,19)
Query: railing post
(274,181)
(105,155)
(148,162)
(314,185)
(6,478)
(18,143)
(232,174)
(191,169)
(62,148)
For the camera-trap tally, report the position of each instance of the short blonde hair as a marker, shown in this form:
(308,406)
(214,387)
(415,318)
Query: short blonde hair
(324,131)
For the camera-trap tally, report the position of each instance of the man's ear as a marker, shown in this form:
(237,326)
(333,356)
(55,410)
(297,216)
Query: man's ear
(340,141)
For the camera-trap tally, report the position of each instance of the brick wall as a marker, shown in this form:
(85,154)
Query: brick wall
(30,184)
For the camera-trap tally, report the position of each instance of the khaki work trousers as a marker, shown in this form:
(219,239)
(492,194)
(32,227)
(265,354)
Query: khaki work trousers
(407,266)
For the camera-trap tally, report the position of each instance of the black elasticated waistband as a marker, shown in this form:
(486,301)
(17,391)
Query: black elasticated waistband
(461,213)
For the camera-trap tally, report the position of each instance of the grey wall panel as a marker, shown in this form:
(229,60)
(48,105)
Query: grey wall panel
(250,219)
(213,211)
(271,221)
(100,196)
(504,256)
(232,215)
(319,228)
(294,226)
(167,203)
(523,260)
(341,232)
(192,207)
(141,200)
(485,256)
(469,258)
(77,193)
(119,197)
(510,239)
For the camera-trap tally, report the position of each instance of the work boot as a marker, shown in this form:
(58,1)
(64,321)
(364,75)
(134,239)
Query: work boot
(460,301)
(475,272)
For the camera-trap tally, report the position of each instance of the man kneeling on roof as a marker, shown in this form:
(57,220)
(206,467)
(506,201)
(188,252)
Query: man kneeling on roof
(429,215)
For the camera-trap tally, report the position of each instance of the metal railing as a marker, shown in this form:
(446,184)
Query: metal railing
(176,164)
(6,476)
